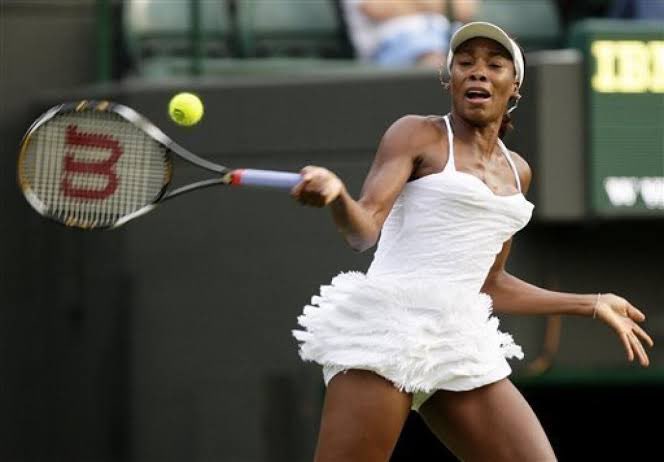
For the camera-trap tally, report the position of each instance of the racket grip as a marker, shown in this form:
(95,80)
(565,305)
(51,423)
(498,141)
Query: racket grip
(267,178)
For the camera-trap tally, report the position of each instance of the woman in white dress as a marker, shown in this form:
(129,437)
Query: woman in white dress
(417,330)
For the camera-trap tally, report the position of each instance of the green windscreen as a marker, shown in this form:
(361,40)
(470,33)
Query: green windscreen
(624,82)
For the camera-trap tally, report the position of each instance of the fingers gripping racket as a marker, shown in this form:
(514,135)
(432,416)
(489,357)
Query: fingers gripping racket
(97,164)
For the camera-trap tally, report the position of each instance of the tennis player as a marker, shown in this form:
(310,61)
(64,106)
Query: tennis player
(417,331)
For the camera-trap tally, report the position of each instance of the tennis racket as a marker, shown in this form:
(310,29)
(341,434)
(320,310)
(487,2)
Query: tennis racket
(98,164)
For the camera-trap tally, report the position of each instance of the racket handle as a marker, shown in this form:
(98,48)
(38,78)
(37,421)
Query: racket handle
(268,178)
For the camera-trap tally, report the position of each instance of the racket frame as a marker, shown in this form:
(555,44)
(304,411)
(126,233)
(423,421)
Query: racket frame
(171,148)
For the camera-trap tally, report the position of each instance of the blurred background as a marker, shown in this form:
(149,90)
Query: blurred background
(169,340)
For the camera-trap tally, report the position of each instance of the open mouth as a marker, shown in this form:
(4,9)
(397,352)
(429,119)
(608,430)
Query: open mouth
(477,95)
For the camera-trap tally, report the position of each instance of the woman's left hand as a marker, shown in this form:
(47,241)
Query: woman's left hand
(622,316)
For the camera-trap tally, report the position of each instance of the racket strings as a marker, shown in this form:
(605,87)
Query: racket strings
(92,168)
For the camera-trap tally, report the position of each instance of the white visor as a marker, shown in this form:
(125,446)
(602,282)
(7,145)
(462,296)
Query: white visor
(487,30)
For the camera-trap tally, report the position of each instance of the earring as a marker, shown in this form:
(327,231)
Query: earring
(516,99)
(441,78)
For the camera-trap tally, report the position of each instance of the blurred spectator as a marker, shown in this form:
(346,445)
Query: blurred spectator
(404,33)
(637,9)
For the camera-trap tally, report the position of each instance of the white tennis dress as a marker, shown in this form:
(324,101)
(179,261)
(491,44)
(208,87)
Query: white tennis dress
(417,317)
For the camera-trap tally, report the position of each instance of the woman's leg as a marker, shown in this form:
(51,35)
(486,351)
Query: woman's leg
(362,418)
(493,423)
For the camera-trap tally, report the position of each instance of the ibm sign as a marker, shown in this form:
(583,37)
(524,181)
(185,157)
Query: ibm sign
(625,116)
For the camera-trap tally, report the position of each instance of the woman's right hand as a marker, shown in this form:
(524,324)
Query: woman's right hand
(623,317)
(318,187)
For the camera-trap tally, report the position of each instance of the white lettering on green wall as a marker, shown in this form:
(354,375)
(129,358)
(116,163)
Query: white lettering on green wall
(625,191)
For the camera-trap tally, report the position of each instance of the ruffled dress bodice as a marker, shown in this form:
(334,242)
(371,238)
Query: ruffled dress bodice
(448,226)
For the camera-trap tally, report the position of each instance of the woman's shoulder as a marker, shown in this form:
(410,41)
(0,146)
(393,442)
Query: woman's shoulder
(419,121)
(417,130)
(523,169)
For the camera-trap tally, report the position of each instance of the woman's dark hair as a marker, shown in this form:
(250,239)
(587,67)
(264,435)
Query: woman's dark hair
(507,123)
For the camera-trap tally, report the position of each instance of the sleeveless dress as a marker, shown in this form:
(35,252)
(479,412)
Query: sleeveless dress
(417,317)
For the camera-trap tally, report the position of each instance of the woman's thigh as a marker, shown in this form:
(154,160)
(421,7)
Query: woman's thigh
(493,422)
(362,418)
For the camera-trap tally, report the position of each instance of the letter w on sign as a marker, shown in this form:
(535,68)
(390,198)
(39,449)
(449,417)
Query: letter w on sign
(109,151)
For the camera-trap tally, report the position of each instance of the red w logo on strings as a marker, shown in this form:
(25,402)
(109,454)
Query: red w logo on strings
(105,167)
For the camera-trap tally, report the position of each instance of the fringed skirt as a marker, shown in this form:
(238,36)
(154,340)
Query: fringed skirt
(422,335)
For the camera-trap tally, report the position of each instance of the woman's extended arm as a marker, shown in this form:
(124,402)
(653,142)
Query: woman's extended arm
(514,296)
(360,221)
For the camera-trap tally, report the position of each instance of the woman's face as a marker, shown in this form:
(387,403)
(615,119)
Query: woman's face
(483,80)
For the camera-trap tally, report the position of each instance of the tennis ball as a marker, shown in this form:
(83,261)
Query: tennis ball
(185,109)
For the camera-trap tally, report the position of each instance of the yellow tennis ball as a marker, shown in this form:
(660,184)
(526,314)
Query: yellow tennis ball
(185,109)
